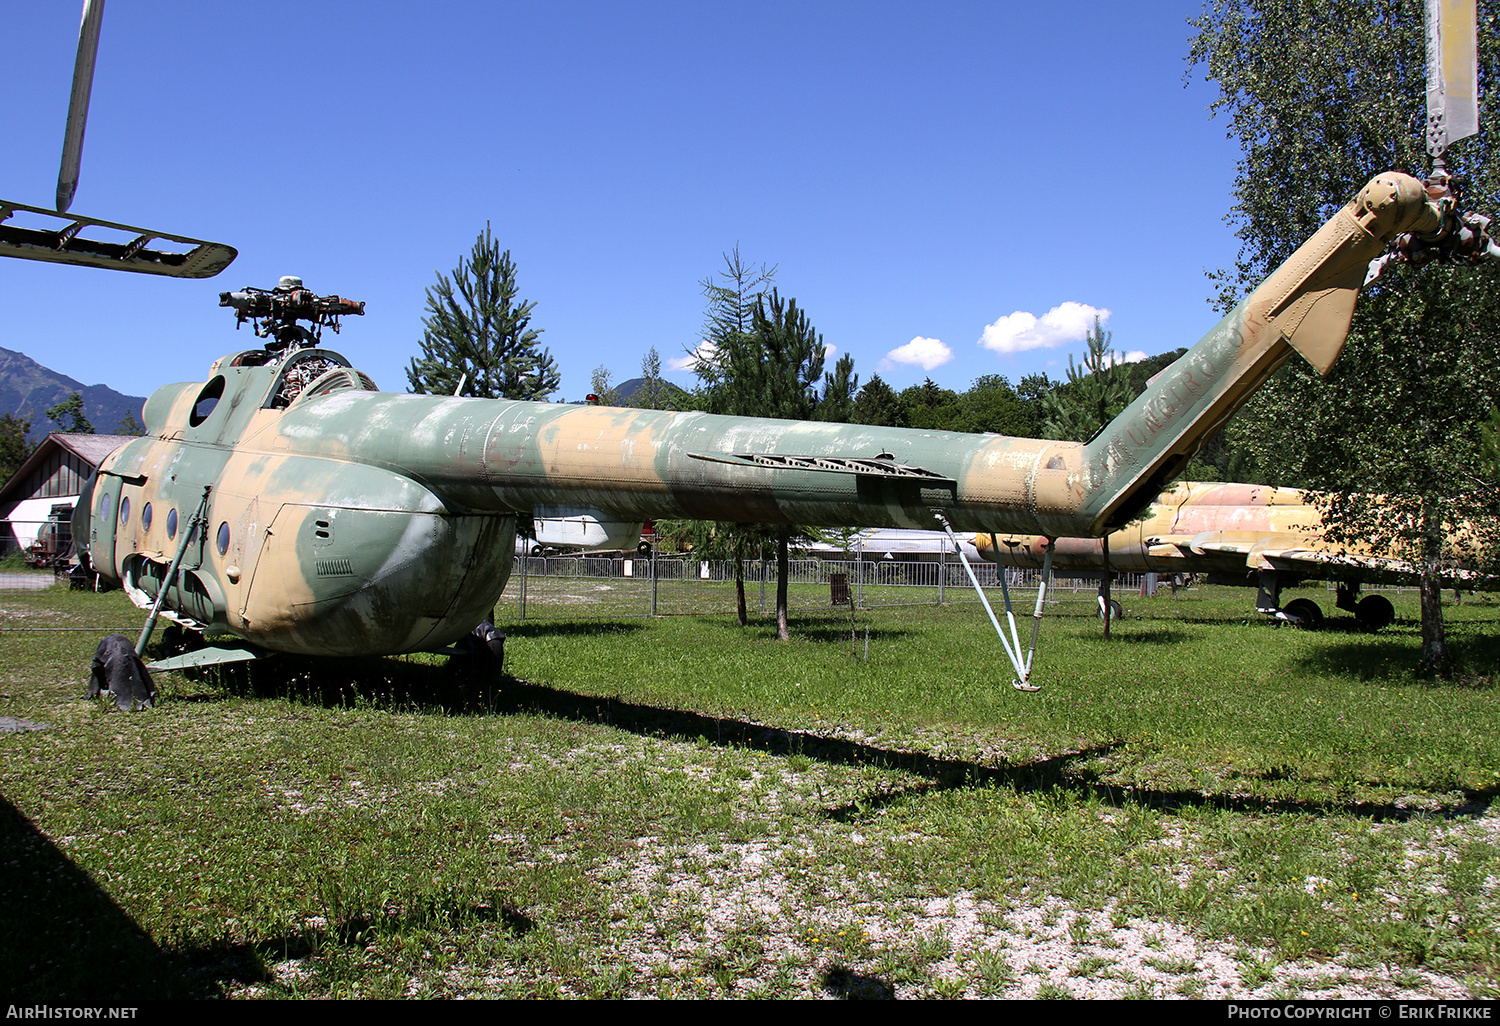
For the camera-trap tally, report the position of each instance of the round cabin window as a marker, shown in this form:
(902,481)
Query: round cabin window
(146,517)
(223,539)
(171,524)
(125,510)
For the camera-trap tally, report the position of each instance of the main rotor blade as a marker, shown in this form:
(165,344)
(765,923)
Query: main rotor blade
(78,105)
(183,257)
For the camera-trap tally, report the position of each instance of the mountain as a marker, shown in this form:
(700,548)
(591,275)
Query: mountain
(27,388)
(672,397)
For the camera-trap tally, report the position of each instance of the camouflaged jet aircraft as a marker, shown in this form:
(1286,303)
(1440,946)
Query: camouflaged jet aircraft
(325,517)
(1235,534)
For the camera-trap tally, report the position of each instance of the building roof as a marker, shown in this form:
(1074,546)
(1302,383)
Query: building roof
(91,449)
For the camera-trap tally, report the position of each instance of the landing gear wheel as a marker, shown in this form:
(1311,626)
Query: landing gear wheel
(1116,611)
(1304,613)
(1375,612)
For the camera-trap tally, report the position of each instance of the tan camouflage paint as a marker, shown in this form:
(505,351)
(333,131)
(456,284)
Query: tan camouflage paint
(1193,527)
(1233,530)
(359,521)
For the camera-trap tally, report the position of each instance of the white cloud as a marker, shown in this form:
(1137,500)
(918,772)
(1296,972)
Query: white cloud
(926,353)
(1134,356)
(689,361)
(705,352)
(1020,331)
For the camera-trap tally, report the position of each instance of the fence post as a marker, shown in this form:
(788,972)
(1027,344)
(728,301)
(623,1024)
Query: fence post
(653,580)
(762,578)
(859,570)
(942,572)
(524,558)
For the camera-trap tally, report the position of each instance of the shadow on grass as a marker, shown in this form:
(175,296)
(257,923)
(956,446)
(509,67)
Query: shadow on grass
(70,942)
(829,635)
(1398,660)
(67,940)
(1125,635)
(567,628)
(393,683)
(400,684)
(1062,772)
(1381,659)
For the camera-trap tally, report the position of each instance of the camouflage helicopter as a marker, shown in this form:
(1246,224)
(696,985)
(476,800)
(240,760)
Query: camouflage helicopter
(325,517)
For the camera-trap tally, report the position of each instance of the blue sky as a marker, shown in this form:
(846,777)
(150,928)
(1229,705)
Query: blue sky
(916,172)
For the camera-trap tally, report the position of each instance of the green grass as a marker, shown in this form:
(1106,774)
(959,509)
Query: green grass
(1205,805)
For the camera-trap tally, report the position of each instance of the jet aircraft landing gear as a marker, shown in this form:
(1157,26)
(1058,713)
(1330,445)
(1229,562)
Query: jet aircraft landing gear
(1302,613)
(1373,611)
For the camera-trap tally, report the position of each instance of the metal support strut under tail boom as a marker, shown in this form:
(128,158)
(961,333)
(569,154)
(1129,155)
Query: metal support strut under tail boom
(1012,645)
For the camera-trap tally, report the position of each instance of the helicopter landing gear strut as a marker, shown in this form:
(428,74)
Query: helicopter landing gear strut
(1012,645)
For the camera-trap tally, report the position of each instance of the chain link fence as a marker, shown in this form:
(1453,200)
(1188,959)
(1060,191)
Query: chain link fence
(38,542)
(571,587)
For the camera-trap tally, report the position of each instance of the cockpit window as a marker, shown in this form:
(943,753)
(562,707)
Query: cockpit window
(207,400)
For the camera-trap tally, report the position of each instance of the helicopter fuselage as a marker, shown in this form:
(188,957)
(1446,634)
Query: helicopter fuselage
(335,519)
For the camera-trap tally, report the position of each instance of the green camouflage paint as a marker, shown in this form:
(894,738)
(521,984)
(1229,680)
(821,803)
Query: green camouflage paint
(344,520)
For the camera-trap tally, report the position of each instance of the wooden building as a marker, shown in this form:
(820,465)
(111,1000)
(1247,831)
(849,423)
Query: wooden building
(47,485)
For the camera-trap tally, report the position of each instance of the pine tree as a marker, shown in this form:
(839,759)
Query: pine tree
(776,370)
(727,327)
(476,332)
(1093,395)
(878,404)
(72,408)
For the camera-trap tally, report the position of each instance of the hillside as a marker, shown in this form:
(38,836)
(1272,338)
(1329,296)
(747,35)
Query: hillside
(27,388)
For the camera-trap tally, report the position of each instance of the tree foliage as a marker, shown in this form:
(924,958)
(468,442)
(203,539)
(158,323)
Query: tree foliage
(1094,393)
(72,409)
(652,395)
(601,384)
(1322,94)
(762,357)
(476,331)
(878,404)
(13,445)
(728,322)
(130,425)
